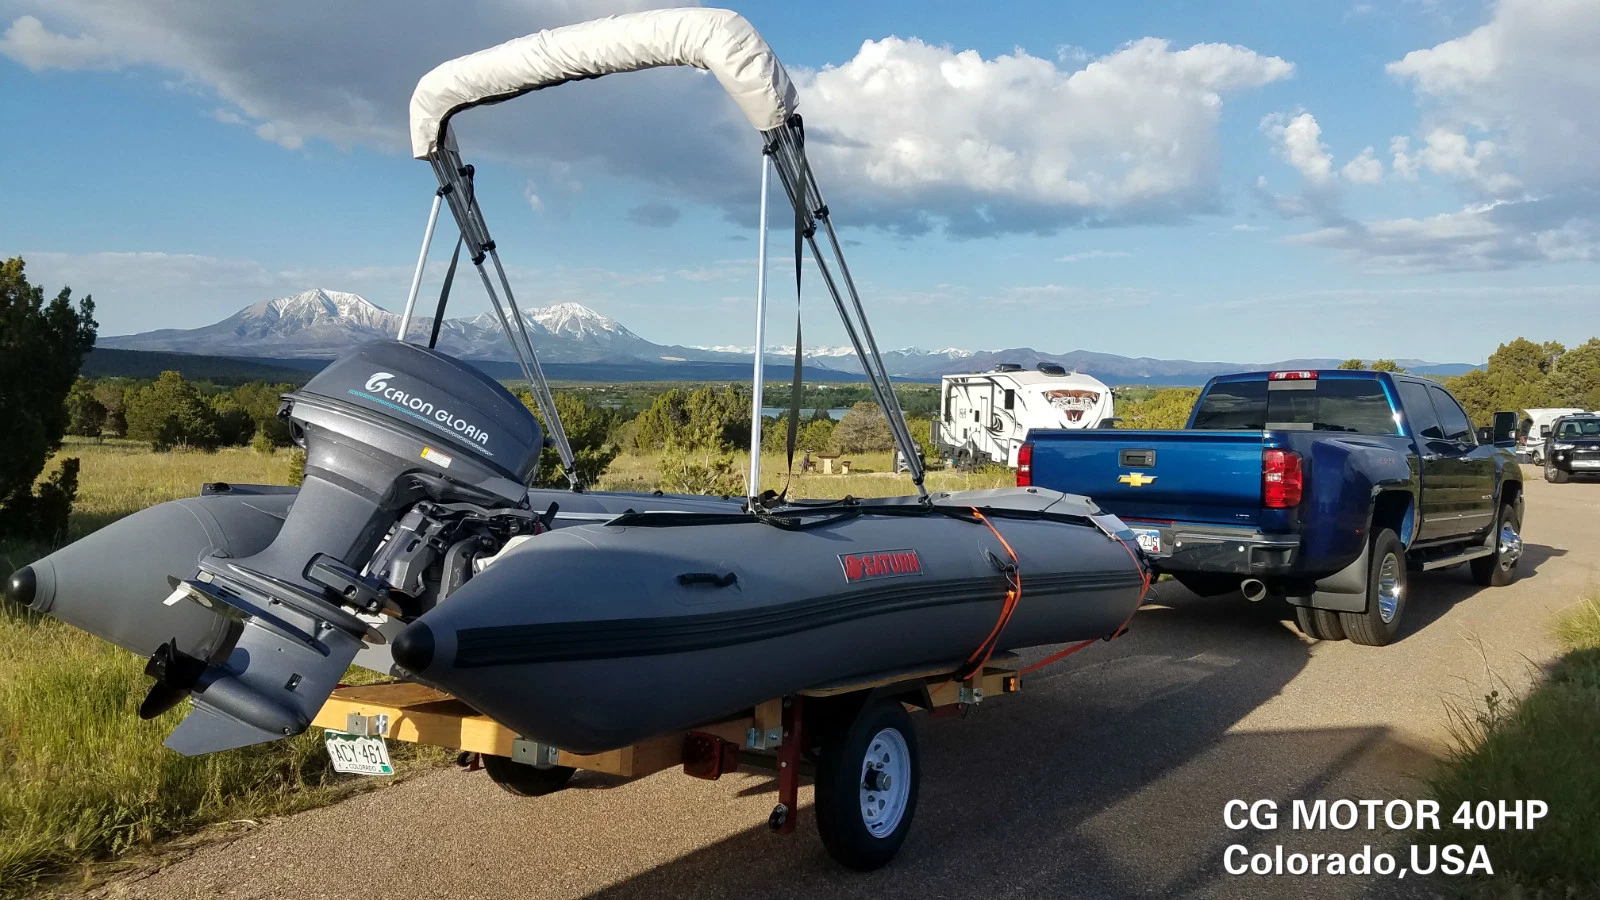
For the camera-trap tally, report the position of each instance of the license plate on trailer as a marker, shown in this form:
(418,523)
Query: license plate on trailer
(1149,539)
(358,754)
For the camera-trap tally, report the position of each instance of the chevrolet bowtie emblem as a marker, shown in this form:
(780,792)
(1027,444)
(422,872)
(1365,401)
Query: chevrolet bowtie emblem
(1136,479)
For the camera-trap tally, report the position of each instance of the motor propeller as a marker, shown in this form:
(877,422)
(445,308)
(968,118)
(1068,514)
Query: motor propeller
(176,674)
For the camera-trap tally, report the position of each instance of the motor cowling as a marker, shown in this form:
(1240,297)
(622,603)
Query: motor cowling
(407,452)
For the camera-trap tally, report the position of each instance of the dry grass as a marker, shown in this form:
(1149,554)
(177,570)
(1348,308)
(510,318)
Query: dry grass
(871,475)
(1543,746)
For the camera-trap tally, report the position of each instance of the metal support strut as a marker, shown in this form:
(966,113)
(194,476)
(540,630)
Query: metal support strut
(787,147)
(422,262)
(753,486)
(455,187)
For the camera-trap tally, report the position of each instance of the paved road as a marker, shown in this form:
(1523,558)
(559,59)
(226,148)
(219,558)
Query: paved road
(1106,777)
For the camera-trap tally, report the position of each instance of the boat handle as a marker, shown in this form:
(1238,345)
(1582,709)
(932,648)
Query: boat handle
(710,578)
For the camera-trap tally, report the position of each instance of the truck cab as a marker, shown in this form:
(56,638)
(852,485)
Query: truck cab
(1324,487)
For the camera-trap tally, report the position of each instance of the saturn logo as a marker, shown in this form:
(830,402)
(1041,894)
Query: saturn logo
(1136,479)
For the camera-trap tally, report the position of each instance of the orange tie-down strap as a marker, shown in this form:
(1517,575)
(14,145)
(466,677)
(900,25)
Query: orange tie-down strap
(980,656)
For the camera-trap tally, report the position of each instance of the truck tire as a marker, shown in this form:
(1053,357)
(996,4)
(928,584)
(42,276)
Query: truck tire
(1555,475)
(1319,624)
(1386,593)
(1500,568)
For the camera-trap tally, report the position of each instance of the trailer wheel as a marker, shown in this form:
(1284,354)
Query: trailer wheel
(1386,593)
(525,780)
(867,786)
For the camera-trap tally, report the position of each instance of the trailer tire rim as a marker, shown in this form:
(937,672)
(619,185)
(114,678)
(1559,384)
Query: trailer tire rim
(1510,545)
(1389,588)
(885,782)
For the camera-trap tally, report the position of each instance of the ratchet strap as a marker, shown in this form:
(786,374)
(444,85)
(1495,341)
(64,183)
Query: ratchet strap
(1013,575)
(444,294)
(1144,588)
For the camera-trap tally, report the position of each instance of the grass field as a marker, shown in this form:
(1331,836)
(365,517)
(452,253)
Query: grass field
(1544,746)
(82,778)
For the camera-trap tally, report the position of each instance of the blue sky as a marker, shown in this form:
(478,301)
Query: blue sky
(1163,179)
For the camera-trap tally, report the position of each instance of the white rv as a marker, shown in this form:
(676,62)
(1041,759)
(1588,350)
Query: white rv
(1536,427)
(987,415)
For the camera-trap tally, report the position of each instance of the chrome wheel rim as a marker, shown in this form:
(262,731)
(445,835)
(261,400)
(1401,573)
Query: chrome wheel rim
(1510,545)
(1389,588)
(885,782)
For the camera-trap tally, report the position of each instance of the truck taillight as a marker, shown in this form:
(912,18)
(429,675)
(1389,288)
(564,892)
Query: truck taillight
(1303,375)
(1281,481)
(1025,465)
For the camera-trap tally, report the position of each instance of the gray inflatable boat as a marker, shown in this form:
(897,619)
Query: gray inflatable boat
(586,621)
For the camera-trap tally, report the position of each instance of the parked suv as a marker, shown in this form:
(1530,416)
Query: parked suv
(1573,448)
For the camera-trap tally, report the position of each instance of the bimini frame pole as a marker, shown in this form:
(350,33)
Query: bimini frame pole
(753,486)
(422,262)
(455,186)
(786,145)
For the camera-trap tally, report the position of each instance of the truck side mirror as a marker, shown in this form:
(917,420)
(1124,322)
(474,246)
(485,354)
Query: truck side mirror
(1505,428)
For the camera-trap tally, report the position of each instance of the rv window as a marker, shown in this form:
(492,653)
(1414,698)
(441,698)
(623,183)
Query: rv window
(977,416)
(1011,398)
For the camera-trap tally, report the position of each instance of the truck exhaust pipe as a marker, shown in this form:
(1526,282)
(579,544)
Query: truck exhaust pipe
(1253,589)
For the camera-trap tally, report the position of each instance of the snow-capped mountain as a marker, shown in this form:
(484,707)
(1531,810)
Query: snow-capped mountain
(321,324)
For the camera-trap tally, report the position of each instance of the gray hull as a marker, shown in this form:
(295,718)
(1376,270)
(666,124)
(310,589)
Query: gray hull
(594,637)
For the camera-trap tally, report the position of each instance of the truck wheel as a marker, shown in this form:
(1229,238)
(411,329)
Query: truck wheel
(525,780)
(1319,624)
(1555,475)
(867,786)
(1500,568)
(1386,593)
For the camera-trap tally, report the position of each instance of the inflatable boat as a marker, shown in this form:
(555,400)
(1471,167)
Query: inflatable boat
(416,547)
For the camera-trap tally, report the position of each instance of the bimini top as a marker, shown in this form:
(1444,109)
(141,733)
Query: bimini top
(718,40)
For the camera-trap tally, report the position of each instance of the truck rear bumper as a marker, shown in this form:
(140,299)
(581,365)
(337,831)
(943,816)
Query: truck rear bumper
(1219,549)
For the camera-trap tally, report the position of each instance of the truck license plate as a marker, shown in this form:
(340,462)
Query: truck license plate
(358,754)
(1149,539)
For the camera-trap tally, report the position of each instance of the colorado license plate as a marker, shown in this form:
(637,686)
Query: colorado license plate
(358,754)
(1149,539)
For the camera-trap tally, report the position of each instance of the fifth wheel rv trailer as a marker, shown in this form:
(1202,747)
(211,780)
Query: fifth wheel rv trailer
(985,416)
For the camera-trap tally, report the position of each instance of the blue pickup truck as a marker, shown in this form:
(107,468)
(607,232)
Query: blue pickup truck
(1323,487)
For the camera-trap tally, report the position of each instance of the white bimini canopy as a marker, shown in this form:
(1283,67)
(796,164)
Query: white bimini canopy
(718,40)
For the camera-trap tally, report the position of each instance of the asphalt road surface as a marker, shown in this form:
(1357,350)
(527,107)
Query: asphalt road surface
(1106,777)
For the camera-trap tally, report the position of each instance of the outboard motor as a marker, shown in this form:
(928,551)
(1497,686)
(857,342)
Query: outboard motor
(415,465)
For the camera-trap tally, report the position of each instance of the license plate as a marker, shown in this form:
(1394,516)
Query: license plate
(1149,539)
(1586,464)
(358,754)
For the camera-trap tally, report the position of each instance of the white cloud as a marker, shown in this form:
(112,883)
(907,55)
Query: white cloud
(1405,165)
(1364,169)
(1094,254)
(1300,141)
(928,136)
(530,193)
(28,42)
(1244,227)
(1497,235)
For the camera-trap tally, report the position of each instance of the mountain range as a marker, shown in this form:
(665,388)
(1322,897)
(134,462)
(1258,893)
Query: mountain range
(320,324)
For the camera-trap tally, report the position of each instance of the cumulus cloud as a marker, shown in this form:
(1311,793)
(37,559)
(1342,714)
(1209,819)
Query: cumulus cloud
(1300,141)
(931,137)
(1364,169)
(921,137)
(28,42)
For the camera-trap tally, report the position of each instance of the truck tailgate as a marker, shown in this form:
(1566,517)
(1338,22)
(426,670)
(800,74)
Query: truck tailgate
(1189,476)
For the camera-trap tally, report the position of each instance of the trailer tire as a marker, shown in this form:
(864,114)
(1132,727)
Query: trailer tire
(1319,624)
(866,786)
(525,780)
(1386,593)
